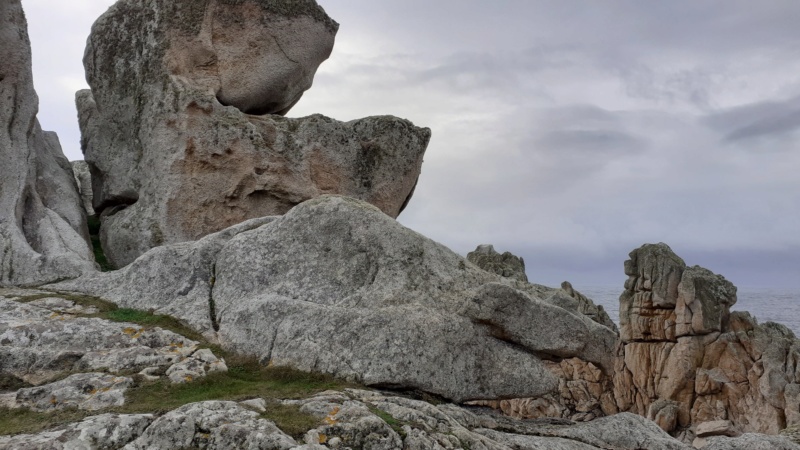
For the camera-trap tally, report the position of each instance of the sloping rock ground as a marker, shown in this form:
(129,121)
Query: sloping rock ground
(178,133)
(43,232)
(336,286)
(54,355)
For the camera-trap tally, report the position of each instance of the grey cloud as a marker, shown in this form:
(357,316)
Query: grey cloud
(589,142)
(759,120)
(569,132)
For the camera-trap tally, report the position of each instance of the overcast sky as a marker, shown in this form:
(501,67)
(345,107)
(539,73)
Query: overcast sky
(567,132)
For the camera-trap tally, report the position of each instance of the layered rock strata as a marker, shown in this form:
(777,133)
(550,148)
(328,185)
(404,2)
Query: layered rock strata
(178,132)
(687,360)
(337,286)
(43,233)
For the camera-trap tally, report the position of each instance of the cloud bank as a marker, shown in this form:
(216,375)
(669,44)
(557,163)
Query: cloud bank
(566,132)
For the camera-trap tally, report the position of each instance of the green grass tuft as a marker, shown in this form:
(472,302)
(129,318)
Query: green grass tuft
(290,419)
(395,424)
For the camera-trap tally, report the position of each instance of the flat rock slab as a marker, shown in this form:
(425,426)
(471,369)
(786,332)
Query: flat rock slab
(86,391)
(46,338)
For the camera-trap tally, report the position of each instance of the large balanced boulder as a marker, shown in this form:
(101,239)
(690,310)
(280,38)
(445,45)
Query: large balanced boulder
(180,132)
(337,286)
(43,233)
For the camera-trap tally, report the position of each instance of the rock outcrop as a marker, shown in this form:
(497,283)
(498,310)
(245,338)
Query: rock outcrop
(177,128)
(83,178)
(43,233)
(687,360)
(338,287)
(45,337)
(504,264)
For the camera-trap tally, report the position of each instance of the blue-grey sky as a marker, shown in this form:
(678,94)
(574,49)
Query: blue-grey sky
(567,132)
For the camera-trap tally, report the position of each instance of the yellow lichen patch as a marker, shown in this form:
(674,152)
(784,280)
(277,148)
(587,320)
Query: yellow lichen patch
(53,400)
(323,438)
(93,391)
(129,331)
(188,378)
(330,420)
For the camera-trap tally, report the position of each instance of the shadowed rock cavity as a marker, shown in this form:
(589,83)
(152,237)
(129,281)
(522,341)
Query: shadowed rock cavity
(170,162)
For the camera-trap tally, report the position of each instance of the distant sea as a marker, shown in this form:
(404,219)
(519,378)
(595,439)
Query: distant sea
(766,304)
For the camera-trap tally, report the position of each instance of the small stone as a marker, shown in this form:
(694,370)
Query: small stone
(259,404)
(716,428)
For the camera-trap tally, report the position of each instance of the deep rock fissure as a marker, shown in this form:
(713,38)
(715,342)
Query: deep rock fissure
(212,307)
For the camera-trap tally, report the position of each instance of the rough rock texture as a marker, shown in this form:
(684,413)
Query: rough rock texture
(212,424)
(685,359)
(749,441)
(80,169)
(584,393)
(350,419)
(170,163)
(336,286)
(41,341)
(504,264)
(175,280)
(43,233)
(97,432)
(88,391)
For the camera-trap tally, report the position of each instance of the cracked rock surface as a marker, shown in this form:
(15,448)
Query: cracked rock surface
(53,357)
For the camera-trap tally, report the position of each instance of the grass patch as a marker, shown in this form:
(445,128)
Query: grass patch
(246,379)
(97,248)
(290,419)
(395,424)
(25,421)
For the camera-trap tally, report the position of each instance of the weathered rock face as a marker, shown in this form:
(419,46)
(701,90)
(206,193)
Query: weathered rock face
(336,286)
(686,360)
(43,234)
(504,264)
(171,163)
(83,178)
